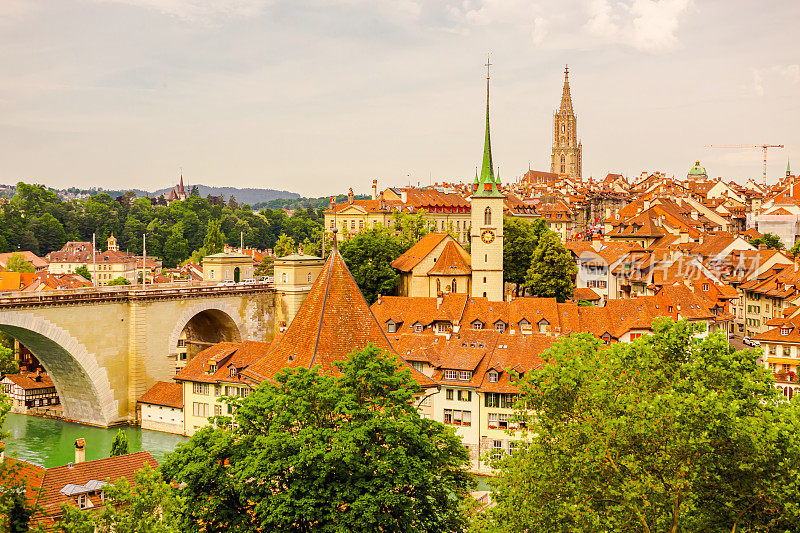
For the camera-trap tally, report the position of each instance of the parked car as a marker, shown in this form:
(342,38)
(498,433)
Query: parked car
(750,342)
(226,283)
(249,281)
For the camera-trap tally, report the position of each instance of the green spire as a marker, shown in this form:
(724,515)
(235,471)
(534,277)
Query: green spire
(788,168)
(487,185)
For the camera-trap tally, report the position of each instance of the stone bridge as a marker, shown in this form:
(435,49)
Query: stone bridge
(105,347)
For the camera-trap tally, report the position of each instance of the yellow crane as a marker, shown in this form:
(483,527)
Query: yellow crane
(762,146)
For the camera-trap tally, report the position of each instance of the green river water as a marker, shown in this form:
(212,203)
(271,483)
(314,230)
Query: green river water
(51,443)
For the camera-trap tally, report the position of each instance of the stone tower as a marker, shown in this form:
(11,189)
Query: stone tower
(566,157)
(486,207)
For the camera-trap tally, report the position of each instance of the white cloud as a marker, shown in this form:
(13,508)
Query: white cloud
(645,25)
(200,11)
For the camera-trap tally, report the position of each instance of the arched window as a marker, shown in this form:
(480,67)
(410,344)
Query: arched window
(563,159)
(487,216)
(453,285)
(563,128)
(438,286)
(284,277)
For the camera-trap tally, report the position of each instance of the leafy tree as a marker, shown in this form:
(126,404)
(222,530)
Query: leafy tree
(119,280)
(18,263)
(284,246)
(314,452)
(412,227)
(795,249)
(8,365)
(551,269)
(214,241)
(520,238)
(176,247)
(266,267)
(369,255)
(119,446)
(49,233)
(83,270)
(668,433)
(772,241)
(148,506)
(195,191)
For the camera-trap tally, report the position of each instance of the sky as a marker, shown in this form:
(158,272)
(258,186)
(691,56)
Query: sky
(319,96)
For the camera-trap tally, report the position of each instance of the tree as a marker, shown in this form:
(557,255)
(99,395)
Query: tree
(119,446)
(214,241)
(667,433)
(551,269)
(8,364)
(83,270)
(520,238)
(195,191)
(315,452)
(412,227)
(284,246)
(795,249)
(266,267)
(772,241)
(18,263)
(119,280)
(49,233)
(149,505)
(369,255)
(176,247)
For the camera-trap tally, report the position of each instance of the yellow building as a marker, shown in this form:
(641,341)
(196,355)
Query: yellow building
(104,267)
(232,266)
(294,275)
(781,345)
(435,265)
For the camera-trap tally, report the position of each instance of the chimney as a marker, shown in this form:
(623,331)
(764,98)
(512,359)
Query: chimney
(439,298)
(350,196)
(333,202)
(374,189)
(80,451)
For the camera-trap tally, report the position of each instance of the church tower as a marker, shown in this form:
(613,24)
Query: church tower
(566,156)
(486,207)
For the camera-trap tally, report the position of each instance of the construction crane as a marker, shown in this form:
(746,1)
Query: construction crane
(762,146)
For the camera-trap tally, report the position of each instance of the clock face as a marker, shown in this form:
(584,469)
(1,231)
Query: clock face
(487,236)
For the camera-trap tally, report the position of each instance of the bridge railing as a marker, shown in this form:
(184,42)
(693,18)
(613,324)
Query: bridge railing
(124,292)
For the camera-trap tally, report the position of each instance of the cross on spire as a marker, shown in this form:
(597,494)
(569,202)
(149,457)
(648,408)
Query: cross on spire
(487,65)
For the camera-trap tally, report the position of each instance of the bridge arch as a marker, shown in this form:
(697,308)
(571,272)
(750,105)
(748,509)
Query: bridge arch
(82,385)
(208,323)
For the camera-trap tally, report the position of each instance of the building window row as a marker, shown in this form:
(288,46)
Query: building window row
(457,417)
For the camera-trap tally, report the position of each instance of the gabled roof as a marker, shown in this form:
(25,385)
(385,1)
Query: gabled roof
(164,393)
(333,321)
(451,262)
(418,252)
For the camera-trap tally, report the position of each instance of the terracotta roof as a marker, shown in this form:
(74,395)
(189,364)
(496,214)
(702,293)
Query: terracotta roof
(418,252)
(451,263)
(224,355)
(333,321)
(56,479)
(585,293)
(31,257)
(31,381)
(164,393)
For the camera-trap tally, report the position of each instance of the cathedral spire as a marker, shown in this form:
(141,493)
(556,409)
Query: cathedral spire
(566,98)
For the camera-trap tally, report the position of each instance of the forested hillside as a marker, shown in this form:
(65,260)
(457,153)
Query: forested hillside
(36,219)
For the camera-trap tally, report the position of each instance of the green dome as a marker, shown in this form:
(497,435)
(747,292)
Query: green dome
(697,170)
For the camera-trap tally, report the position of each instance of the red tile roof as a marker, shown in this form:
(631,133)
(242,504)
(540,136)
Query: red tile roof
(452,262)
(419,251)
(164,393)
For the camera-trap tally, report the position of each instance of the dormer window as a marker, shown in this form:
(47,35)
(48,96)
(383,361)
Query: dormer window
(477,324)
(785,330)
(500,326)
(212,367)
(524,324)
(543,325)
(391,326)
(233,372)
(705,286)
(418,328)
(493,376)
(606,338)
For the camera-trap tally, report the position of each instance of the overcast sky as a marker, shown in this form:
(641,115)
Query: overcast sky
(318,96)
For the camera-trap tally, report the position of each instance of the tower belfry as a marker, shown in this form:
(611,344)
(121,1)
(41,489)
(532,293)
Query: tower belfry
(567,149)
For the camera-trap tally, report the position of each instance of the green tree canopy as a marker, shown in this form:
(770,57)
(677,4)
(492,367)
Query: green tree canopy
(8,365)
(18,263)
(369,255)
(314,452)
(266,267)
(668,433)
(119,280)
(772,241)
(119,446)
(520,238)
(214,241)
(551,269)
(284,246)
(83,270)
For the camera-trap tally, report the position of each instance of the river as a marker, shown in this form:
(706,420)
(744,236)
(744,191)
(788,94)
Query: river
(50,443)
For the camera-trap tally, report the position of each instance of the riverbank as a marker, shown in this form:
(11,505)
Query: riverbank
(50,442)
